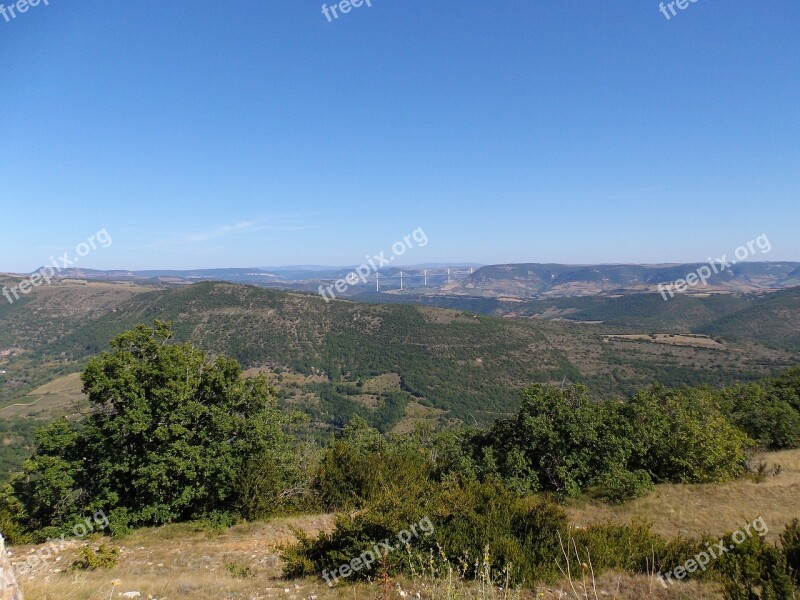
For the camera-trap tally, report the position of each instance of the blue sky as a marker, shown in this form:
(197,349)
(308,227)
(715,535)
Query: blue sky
(211,134)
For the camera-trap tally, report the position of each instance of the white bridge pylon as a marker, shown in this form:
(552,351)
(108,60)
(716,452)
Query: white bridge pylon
(420,276)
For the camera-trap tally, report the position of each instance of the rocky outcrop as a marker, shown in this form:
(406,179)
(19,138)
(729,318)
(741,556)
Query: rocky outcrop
(9,590)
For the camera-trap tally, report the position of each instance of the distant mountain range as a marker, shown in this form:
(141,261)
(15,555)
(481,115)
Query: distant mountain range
(548,280)
(528,280)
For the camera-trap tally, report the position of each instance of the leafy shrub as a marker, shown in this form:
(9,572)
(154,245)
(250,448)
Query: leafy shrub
(239,571)
(471,519)
(217,521)
(681,435)
(520,533)
(619,485)
(766,417)
(631,547)
(790,542)
(172,437)
(105,557)
(360,464)
(677,551)
(119,522)
(755,569)
(11,518)
(558,441)
(346,476)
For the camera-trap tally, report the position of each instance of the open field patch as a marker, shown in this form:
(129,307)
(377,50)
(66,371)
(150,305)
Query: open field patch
(690,340)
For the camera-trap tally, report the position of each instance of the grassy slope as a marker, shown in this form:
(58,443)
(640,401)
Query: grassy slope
(711,508)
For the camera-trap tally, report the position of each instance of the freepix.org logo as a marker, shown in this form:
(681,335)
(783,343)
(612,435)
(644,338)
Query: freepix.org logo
(9,12)
(343,7)
(668,9)
(48,272)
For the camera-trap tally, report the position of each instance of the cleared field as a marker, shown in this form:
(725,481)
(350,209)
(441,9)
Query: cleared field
(417,414)
(690,340)
(389,382)
(58,398)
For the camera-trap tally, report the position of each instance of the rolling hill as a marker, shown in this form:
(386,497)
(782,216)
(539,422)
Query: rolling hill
(460,365)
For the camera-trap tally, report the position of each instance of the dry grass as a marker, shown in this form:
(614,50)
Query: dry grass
(389,382)
(62,396)
(417,414)
(184,562)
(690,340)
(714,509)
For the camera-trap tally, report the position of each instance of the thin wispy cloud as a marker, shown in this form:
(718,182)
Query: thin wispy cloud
(225,231)
(635,194)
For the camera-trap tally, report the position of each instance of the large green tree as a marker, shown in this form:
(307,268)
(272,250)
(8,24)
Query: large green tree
(172,435)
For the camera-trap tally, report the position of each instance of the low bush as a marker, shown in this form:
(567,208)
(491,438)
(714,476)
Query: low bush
(755,570)
(89,559)
(790,542)
(632,548)
(618,485)
(469,520)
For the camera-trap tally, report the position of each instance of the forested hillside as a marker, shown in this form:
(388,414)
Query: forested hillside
(450,365)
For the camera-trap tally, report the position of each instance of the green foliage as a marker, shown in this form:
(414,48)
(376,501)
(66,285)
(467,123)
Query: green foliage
(620,485)
(346,476)
(521,534)
(677,551)
(89,559)
(360,464)
(562,442)
(772,421)
(469,518)
(680,435)
(790,542)
(631,548)
(18,443)
(12,517)
(755,569)
(553,443)
(787,387)
(239,571)
(173,436)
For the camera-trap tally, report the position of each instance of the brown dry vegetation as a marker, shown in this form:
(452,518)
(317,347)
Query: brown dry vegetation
(178,562)
(710,508)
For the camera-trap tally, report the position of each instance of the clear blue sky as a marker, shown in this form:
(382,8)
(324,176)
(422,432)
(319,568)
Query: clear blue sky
(250,133)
